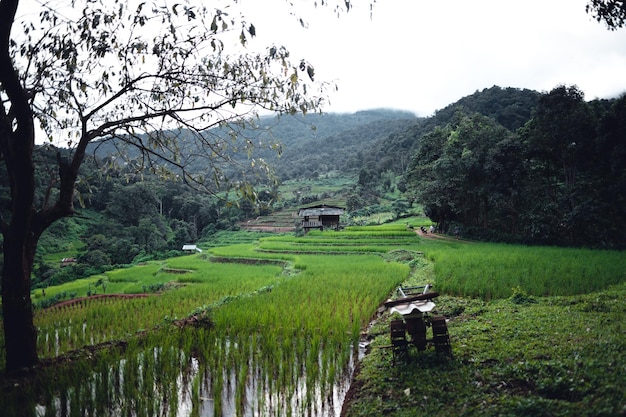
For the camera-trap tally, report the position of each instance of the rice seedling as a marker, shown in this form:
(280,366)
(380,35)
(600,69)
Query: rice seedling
(343,241)
(301,323)
(248,252)
(282,327)
(63,329)
(312,248)
(353,240)
(494,270)
(377,229)
(272,349)
(363,232)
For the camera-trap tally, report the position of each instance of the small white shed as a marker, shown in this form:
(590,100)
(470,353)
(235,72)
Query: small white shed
(191,248)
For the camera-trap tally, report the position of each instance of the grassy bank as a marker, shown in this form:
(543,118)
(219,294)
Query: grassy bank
(519,355)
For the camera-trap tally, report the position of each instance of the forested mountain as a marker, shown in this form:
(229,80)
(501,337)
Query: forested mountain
(501,164)
(343,151)
(298,130)
(385,140)
(377,140)
(510,107)
(307,143)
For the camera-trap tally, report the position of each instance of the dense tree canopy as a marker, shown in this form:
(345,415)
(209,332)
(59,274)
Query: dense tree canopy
(557,180)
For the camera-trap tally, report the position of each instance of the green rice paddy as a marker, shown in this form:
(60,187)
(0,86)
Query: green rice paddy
(265,328)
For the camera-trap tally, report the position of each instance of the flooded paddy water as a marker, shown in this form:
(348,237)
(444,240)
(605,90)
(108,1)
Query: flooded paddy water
(190,373)
(233,340)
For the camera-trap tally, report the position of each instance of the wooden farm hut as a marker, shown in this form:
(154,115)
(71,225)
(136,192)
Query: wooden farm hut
(320,217)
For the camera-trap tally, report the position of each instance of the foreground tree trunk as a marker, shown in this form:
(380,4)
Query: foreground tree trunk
(17,141)
(19,246)
(20,334)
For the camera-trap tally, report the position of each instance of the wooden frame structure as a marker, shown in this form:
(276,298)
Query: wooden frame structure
(320,217)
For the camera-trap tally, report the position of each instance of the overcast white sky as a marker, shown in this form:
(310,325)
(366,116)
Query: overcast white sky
(420,55)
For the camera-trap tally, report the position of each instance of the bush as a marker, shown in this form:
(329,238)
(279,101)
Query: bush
(95,258)
(520,296)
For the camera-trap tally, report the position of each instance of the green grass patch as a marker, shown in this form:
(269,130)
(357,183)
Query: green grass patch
(359,240)
(227,238)
(73,289)
(377,229)
(363,232)
(326,248)
(374,219)
(414,221)
(493,270)
(249,251)
(557,356)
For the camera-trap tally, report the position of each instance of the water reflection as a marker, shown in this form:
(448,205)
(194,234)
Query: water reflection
(192,375)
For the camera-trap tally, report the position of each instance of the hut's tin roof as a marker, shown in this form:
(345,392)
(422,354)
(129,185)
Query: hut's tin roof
(322,210)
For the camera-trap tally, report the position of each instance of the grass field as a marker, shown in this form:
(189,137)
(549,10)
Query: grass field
(546,356)
(493,270)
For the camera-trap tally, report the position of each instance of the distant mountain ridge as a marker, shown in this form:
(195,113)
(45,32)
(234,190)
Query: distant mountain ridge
(510,107)
(381,139)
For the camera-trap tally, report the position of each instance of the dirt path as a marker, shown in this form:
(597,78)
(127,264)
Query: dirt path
(85,300)
(434,236)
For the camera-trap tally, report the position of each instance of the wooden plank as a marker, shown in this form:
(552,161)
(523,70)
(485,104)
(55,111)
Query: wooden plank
(411,298)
